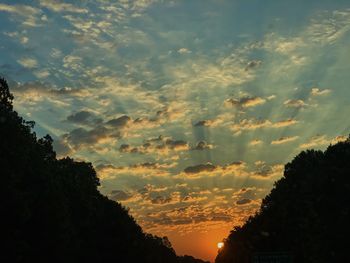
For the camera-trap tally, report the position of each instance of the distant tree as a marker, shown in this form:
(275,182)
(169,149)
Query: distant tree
(306,214)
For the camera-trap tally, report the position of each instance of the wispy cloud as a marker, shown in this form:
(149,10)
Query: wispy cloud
(285,139)
(28,62)
(60,6)
(30,14)
(295,103)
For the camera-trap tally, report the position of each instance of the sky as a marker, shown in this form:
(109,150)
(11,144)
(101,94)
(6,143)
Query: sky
(187,109)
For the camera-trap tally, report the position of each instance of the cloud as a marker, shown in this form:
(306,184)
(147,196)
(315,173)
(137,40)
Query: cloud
(61,148)
(143,170)
(255,142)
(283,140)
(315,141)
(202,145)
(81,137)
(41,74)
(295,103)
(72,62)
(28,12)
(161,200)
(178,145)
(208,167)
(59,6)
(159,145)
(208,123)
(246,102)
(265,171)
(110,131)
(318,92)
(251,124)
(28,62)
(253,64)
(126,148)
(22,10)
(184,51)
(243,201)
(287,46)
(38,88)
(339,138)
(198,170)
(20,36)
(84,117)
(119,195)
(201,123)
(119,122)
(320,140)
(284,123)
(328,26)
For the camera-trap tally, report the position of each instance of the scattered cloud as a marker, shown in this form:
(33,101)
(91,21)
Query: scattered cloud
(159,145)
(202,145)
(119,122)
(265,171)
(253,64)
(28,62)
(60,6)
(315,141)
(243,201)
(208,123)
(184,51)
(208,167)
(40,89)
(318,92)
(320,140)
(297,103)
(42,74)
(339,138)
(81,137)
(84,117)
(284,123)
(246,102)
(148,169)
(253,124)
(285,139)
(255,142)
(119,195)
(250,124)
(27,12)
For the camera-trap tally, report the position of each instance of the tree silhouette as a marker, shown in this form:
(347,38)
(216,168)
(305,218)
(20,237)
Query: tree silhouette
(52,210)
(6,97)
(306,215)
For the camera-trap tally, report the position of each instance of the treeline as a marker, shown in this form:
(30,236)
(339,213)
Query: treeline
(51,210)
(306,217)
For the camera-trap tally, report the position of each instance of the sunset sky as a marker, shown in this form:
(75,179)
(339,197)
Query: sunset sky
(187,109)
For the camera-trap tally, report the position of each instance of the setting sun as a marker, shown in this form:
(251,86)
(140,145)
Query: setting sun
(220,245)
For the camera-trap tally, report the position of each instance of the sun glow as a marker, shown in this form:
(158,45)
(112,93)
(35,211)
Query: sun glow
(220,245)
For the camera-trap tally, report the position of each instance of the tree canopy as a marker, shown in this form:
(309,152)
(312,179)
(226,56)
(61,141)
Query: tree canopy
(52,210)
(306,215)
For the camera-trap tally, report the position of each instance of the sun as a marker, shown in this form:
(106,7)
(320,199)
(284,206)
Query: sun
(220,245)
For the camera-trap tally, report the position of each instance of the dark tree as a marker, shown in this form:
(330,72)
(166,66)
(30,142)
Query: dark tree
(306,215)
(6,97)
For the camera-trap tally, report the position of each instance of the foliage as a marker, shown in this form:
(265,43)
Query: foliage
(52,210)
(306,214)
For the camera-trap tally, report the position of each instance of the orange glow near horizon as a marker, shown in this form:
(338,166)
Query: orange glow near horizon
(220,245)
(199,244)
